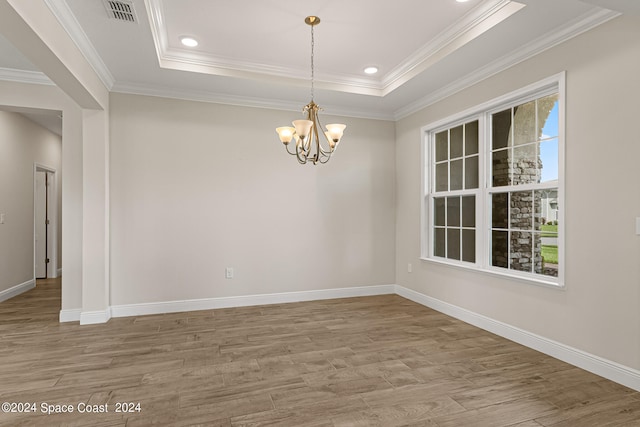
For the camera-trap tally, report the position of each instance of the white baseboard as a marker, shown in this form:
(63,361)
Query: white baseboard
(248,300)
(85,317)
(72,315)
(93,317)
(17,290)
(605,368)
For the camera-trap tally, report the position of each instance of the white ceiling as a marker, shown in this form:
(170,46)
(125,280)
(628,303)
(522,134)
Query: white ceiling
(257,53)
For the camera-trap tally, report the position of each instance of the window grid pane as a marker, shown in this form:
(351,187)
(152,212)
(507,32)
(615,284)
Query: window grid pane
(456,142)
(442,146)
(453,211)
(524,151)
(439,211)
(500,248)
(520,153)
(442,177)
(501,168)
(456,158)
(439,242)
(453,243)
(501,130)
(469,245)
(456,170)
(456,164)
(469,211)
(518,232)
(454,228)
(471,138)
(471,171)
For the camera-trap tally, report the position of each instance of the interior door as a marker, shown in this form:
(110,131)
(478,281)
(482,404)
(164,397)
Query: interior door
(40,205)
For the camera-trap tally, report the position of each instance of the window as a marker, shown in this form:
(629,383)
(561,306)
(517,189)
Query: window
(456,187)
(493,186)
(524,163)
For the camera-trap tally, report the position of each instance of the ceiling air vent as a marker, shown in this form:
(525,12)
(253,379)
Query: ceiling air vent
(122,10)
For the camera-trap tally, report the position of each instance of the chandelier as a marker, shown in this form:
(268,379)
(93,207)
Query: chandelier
(308,147)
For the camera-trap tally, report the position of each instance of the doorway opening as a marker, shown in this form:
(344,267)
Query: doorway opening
(45,221)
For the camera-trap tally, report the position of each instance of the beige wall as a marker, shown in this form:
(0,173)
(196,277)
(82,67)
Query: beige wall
(197,187)
(22,144)
(599,312)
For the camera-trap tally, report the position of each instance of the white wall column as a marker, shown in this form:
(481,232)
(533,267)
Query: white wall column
(32,27)
(95,219)
(71,213)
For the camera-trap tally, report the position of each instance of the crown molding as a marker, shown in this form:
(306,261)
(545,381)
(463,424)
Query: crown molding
(67,19)
(630,7)
(240,101)
(572,29)
(479,20)
(25,76)
(186,60)
(470,26)
(194,63)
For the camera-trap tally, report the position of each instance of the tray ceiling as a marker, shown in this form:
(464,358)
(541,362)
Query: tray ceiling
(257,53)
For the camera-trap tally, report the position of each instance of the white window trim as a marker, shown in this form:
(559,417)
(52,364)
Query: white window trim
(482,112)
(477,192)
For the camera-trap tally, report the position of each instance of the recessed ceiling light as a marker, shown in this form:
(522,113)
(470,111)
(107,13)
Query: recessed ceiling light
(462,1)
(371,70)
(189,41)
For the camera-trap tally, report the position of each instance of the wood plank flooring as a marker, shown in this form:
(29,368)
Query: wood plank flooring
(373,361)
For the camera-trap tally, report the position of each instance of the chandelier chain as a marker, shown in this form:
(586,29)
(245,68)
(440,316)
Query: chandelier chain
(312,67)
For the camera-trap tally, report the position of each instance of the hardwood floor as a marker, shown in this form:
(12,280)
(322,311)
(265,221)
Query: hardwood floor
(374,361)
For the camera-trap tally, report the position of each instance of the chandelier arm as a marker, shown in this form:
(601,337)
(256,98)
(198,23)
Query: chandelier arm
(301,154)
(311,116)
(293,153)
(326,157)
(320,149)
(326,153)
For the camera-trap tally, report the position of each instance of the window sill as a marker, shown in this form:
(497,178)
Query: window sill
(558,285)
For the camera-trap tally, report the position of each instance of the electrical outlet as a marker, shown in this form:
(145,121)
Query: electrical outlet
(228,273)
(1,218)
(409,268)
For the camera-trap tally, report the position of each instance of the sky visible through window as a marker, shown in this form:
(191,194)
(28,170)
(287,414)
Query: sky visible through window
(549,147)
